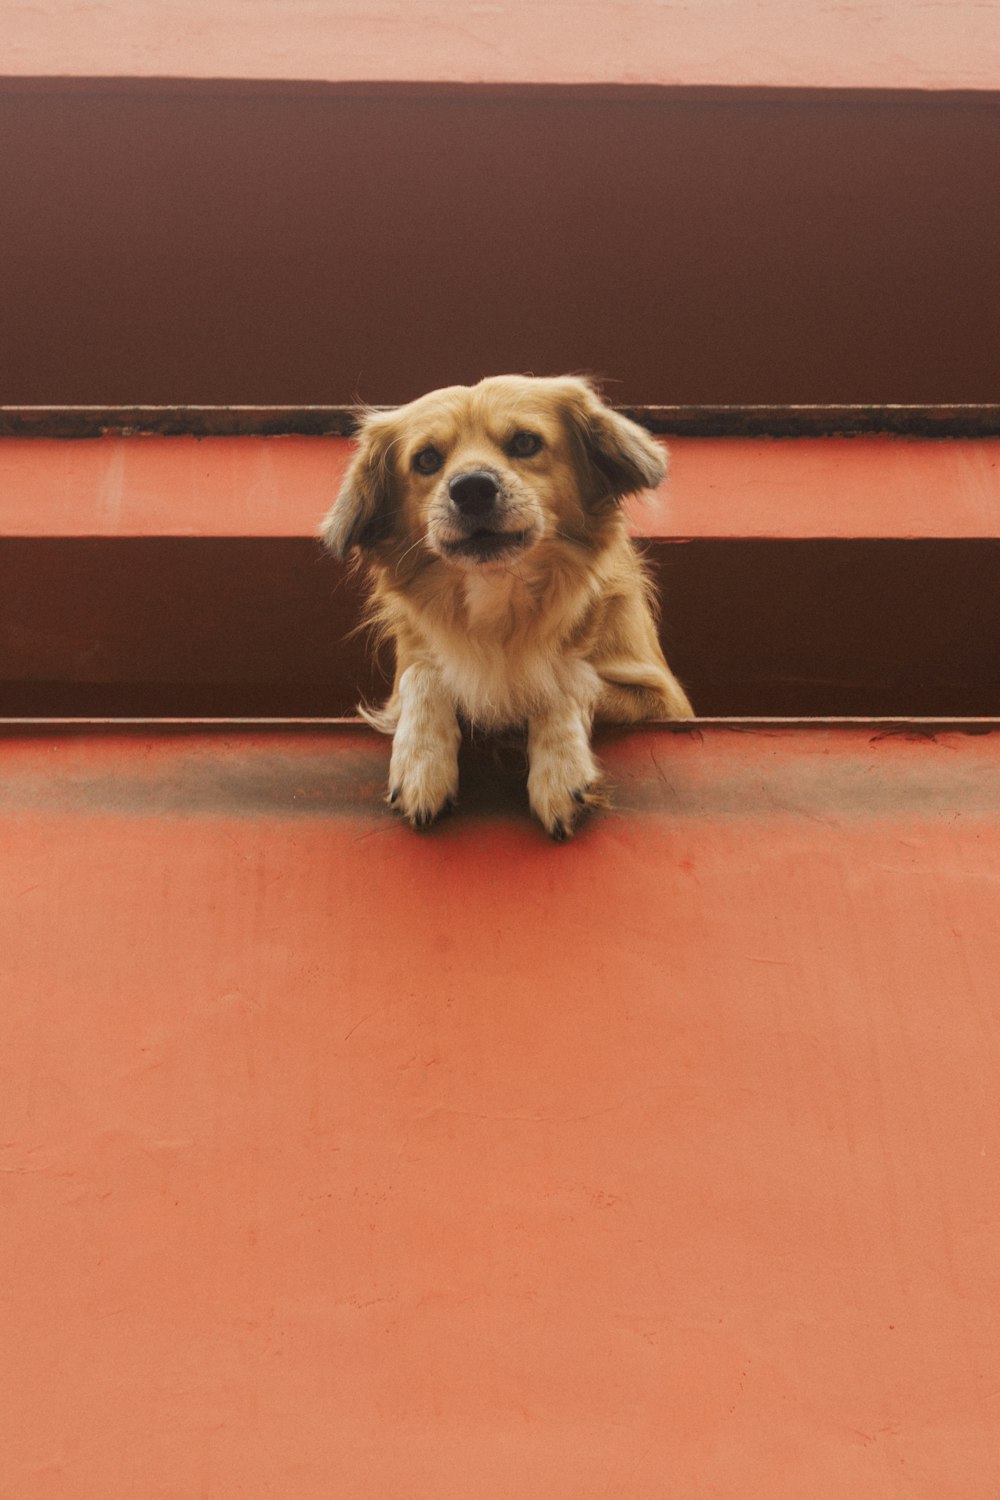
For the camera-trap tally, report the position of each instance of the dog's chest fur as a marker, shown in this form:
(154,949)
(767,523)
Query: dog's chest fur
(501,653)
(495,602)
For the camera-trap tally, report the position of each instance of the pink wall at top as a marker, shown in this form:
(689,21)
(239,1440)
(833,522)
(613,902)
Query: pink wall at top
(774,43)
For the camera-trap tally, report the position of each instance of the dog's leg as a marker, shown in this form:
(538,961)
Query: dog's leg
(423,770)
(563,775)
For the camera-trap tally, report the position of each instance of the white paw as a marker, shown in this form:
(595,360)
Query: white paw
(423,770)
(562,783)
(423,781)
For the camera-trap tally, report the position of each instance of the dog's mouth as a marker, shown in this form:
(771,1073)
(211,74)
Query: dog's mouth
(484,545)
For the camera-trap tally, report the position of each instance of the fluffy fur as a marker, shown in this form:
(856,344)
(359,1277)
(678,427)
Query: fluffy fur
(489,517)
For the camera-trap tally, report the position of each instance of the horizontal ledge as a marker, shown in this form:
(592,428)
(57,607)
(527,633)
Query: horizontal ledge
(884,724)
(795,94)
(245,488)
(944,421)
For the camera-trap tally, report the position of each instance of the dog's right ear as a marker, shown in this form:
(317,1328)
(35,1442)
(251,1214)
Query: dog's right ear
(361,516)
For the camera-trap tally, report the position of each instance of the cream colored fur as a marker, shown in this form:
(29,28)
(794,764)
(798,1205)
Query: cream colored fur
(541,617)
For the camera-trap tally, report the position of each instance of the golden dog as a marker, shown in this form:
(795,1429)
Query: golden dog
(490,519)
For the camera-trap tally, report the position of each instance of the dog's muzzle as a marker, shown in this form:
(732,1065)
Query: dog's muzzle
(480,535)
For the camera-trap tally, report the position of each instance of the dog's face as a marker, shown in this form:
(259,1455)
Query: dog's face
(487,472)
(479,475)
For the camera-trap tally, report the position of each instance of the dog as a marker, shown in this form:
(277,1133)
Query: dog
(489,517)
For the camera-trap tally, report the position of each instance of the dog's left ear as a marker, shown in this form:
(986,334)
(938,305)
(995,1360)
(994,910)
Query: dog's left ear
(618,456)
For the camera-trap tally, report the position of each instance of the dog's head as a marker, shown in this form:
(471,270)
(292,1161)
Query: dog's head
(478,475)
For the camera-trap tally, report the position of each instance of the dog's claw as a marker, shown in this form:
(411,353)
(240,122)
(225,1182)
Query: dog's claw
(419,812)
(559,832)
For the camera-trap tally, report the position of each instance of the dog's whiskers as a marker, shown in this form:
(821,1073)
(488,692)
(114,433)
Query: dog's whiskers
(403,556)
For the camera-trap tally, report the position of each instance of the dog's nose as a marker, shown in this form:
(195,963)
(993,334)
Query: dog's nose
(474,493)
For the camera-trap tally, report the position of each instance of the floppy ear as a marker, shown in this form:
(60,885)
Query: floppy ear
(362,512)
(620,457)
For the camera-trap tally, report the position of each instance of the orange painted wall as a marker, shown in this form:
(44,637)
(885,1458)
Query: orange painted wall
(343,1161)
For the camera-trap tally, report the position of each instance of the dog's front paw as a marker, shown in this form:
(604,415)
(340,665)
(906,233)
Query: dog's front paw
(423,770)
(422,786)
(560,789)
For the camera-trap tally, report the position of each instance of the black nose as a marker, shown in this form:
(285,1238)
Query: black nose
(474,493)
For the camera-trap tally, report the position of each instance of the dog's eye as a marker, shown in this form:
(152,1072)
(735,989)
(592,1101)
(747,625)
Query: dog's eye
(524,445)
(427,461)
